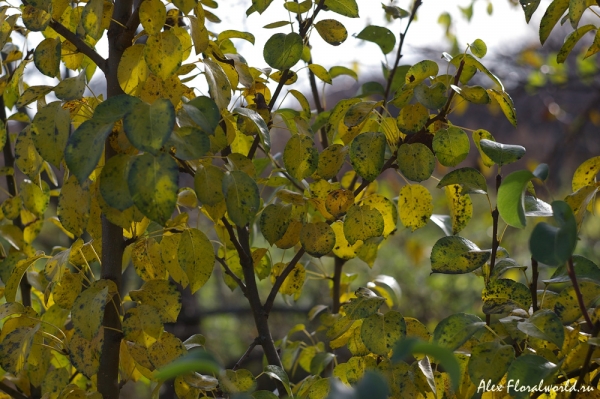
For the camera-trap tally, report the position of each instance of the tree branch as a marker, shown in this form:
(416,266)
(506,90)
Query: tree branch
(390,79)
(11,391)
(231,274)
(246,354)
(573,277)
(280,279)
(82,46)
(232,236)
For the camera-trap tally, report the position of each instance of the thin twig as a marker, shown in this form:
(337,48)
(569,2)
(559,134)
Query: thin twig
(231,274)
(586,363)
(533,286)
(12,392)
(390,79)
(246,354)
(280,279)
(365,183)
(337,283)
(232,236)
(82,46)
(495,241)
(573,277)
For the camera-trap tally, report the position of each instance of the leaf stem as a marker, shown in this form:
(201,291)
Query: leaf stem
(533,285)
(495,241)
(573,277)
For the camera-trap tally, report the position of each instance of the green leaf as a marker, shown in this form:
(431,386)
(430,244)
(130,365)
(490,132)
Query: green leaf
(283,51)
(484,354)
(114,108)
(381,332)
(544,324)
(416,161)
(218,83)
(421,71)
(47,57)
(451,146)
(570,42)
(332,31)
(198,361)
(530,370)
(362,223)
(503,295)
(336,71)
(317,239)
(456,329)
(263,129)
(320,72)
(208,183)
(367,154)
(479,135)
(456,255)
(34,19)
(433,97)
(552,15)
(274,221)
(113,182)
(204,112)
(298,8)
(381,36)
(148,127)
(277,24)
(511,196)
(185,6)
(529,7)
(471,180)
(190,143)
(153,183)
(502,154)
(555,245)
(71,88)
(347,8)
(278,373)
(300,156)
(16,347)
(33,93)
(51,126)
(196,257)
(478,48)
(395,12)
(241,196)
(416,206)
(585,270)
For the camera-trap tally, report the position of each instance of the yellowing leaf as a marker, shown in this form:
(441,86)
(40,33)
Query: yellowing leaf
(169,245)
(416,161)
(241,196)
(362,223)
(132,70)
(367,154)
(153,184)
(461,207)
(51,126)
(88,308)
(153,15)
(85,353)
(421,71)
(380,332)
(147,260)
(34,198)
(342,248)
(292,285)
(34,19)
(451,146)
(586,173)
(165,350)
(300,157)
(47,57)
(332,31)
(27,159)
(74,206)
(291,236)
(331,161)
(456,255)
(274,221)
(196,257)
(386,208)
(506,105)
(163,54)
(113,182)
(142,324)
(91,18)
(320,72)
(71,88)
(317,239)
(220,87)
(479,135)
(65,291)
(15,348)
(415,206)
(347,8)
(162,295)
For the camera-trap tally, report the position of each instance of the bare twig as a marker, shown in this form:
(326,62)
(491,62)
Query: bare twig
(11,391)
(233,237)
(390,79)
(280,279)
(231,274)
(246,354)
(573,277)
(533,286)
(82,46)
(337,282)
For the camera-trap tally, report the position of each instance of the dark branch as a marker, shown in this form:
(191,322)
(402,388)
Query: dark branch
(11,391)
(246,354)
(280,279)
(231,274)
(82,46)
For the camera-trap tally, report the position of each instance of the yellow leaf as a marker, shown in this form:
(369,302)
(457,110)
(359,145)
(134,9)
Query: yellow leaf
(27,159)
(186,42)
(74,205)
(66,290)
(85,353)
(91,18)
(320,72)
(132,70)
(415,206)
(342,248)
(461,207)
(339,201)
(153,15)
(291,236)
(362,223)
(142,324)
(47,57)
(317,239)
(165,350)
(147,260)
(219,85)
(196,257)
(387,209)
(161,294)
(88,308)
